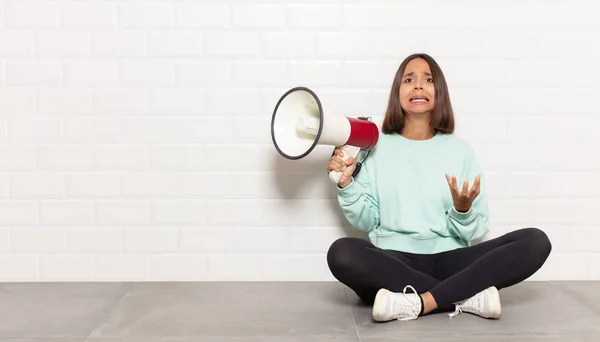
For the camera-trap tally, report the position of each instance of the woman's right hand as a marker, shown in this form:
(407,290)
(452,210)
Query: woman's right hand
(337,164)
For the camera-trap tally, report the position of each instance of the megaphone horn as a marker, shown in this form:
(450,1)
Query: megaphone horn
(298,125)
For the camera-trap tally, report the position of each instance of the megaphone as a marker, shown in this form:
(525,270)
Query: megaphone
(298,125)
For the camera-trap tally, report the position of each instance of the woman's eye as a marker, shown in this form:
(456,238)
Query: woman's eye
(407,80)
(430,80)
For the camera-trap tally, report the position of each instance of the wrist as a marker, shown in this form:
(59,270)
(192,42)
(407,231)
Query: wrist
(461,209)
(345,183)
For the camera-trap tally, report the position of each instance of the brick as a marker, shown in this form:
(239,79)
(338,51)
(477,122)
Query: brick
(175,43)
(175,157)
(64,157)
(269,73)
(62,44)
(336,44)
(66,213)
(173,267)
(66,268)
(211,15)
(307,266)
(117,43)
(96,240)
(121,212)
(17,101)
(89,15)
(19,268)
(177,101)
(31,14)
(288,44)
(233,101)
(251,240)
(207,240)
(369,16)
(148,184)
(33,72)
(34,130)
(145,15)
(111,157)
(179,212)
(39,185)
(327,15)
(232,43)
(150,240)
(26,240)
(93,185)
(16,44)
(91,129)
(59,101)
(145,72)
(119,267)
(202,72)
(17,157)
(91,73)
(117,101)
(227,267)
(18,213)
(264,15)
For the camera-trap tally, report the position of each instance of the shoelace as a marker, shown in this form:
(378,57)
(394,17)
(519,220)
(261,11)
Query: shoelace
(400,304)
(456,312)
(459,304)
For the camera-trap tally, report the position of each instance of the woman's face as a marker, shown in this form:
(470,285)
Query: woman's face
(417,92)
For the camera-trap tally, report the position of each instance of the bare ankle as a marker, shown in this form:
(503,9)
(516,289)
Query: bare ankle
(429,303)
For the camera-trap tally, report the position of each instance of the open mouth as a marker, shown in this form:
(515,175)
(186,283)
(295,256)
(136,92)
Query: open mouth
(419,99)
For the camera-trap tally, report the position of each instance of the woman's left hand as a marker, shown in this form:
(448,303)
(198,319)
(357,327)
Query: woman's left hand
(464,197)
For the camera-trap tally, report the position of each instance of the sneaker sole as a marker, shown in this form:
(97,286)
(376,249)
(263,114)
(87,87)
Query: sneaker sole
(377,305)
(497,308)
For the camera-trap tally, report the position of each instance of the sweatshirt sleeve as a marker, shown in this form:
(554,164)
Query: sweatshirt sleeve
(474,223)
(358,205)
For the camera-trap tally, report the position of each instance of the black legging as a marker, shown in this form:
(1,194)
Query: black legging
(450,276)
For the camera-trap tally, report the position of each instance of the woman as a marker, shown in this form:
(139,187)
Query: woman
(421,197)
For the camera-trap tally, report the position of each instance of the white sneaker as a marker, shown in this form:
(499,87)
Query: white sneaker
(396,306)
(485,304)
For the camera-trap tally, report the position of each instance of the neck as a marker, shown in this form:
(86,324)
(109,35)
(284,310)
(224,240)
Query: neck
(417,128)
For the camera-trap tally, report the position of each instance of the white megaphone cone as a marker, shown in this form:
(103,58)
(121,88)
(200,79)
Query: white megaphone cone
(298,126)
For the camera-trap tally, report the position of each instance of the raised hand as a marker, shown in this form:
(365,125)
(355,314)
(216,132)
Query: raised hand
(463,198)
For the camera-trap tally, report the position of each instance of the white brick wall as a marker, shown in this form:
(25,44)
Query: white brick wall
(114,115)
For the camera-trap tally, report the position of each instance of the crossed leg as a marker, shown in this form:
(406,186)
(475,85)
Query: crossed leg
(501,262)
(446,277)
(365,268)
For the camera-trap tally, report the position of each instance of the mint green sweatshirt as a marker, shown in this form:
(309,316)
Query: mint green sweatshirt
(402,199)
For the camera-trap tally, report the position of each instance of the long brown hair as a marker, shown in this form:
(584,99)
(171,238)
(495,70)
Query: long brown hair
(442,116)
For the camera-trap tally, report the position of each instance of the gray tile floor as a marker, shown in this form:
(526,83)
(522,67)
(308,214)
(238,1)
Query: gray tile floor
(286,312)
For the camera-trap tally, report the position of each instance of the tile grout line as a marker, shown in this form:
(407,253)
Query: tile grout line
(352,314)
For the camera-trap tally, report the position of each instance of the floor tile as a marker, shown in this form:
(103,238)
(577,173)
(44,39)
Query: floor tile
(586,292)
(56,310)
(250,309)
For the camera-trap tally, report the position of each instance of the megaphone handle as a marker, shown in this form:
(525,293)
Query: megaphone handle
(348,151)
